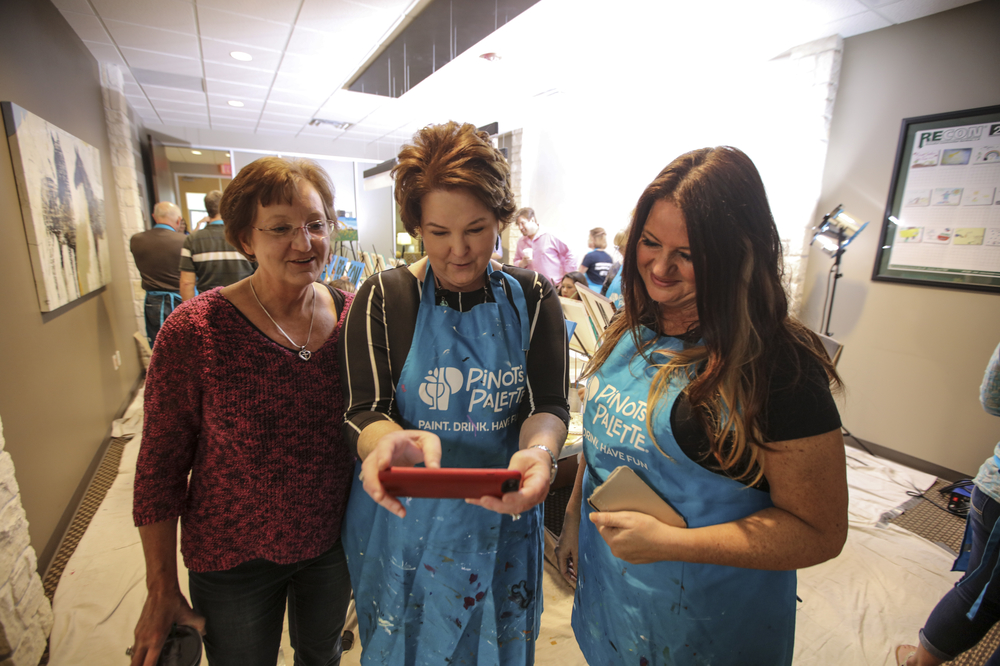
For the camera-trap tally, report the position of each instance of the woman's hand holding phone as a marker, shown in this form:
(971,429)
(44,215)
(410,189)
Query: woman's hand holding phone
(400,448)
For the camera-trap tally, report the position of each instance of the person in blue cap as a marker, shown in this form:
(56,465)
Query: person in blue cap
(453,361)
(718,400)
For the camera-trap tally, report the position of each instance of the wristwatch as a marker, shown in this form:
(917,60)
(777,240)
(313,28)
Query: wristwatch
(555,463)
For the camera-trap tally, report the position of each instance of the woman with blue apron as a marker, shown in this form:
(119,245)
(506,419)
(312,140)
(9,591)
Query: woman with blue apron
(688,624)
(445,581)
(761,487)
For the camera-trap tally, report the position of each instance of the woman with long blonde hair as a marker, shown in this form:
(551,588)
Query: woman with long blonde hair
(718,400)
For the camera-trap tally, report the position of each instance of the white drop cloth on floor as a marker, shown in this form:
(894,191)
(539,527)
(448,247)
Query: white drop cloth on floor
(854,609)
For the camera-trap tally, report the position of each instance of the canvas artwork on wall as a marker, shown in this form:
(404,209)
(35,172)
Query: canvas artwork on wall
(62,204)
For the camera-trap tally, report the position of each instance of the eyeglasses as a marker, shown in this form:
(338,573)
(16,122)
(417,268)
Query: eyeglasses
(317,229)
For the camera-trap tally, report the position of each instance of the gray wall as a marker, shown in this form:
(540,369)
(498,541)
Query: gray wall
(59,390)
(914,356)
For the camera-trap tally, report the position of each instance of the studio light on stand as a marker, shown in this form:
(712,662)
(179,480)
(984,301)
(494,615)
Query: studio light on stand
(834,234)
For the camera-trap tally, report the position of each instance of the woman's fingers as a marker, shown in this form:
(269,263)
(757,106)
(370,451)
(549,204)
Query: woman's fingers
(401,448)
(535,472)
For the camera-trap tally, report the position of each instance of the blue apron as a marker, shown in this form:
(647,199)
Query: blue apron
(675,613)
(453,583)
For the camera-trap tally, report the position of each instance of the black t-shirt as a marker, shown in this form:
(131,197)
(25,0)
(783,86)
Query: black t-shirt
(379,331)
(799,405)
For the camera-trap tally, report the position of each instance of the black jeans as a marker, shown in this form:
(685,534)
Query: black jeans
(948,631)
(244,608)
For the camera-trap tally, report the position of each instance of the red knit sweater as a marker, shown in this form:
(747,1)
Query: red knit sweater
(257,428)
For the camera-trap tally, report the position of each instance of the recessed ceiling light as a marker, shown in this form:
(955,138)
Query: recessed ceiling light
(492,57)
(227,154)
(196,152)
(241,56)
(234,102)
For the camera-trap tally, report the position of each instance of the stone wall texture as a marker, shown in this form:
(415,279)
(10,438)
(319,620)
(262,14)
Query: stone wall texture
(25,612)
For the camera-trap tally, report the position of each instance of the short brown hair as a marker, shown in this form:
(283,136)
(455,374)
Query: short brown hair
(599,238)
(212,200)
(451,156)
(267,181)
(526,213)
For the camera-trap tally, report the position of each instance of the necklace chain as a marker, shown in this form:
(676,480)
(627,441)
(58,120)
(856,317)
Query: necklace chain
(304,354)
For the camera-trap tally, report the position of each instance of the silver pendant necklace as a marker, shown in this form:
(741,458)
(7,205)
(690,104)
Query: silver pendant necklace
(304,353)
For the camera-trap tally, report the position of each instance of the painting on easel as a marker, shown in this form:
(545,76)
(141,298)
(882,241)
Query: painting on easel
(60,188)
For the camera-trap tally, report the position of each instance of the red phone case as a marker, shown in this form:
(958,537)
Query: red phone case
(450,483)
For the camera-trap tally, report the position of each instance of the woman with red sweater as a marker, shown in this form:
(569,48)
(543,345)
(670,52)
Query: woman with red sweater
(243,393)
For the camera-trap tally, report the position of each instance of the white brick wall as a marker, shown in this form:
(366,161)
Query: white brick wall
(121,133)
(25,613)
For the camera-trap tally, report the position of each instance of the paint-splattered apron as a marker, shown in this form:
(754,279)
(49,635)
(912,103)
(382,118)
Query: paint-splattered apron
(452,583)
(673,613)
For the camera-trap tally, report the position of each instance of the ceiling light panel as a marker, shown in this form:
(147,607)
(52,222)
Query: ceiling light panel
(217,51)
(222,72)
(175,15)
(240,29)
(444,30)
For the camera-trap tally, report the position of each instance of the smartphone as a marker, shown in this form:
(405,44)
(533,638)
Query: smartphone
(449,483)
(626,491)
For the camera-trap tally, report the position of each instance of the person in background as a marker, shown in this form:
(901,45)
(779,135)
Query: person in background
(612,287)
(597,262)
(156,252)
(243,394)
(969,610)
(718,400)
(420,346)
(208,260)
(567,286)
(344,285)
(539,250)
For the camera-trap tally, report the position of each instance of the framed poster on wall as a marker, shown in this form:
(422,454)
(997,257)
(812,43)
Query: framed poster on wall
(942,220)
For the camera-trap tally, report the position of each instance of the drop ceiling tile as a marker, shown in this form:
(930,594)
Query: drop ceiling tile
(162,62)
(274,131)
(183,115)
(233,74)
(173,106)
(352,106)
(320,71)
(165,14)
(234,122)
(282,12)
(272,117)
(907,10)
(154,39)
(853,25)
(296,110)
(827,11)
(139,102)
(106,53)
(239,29)
(219,52)
(311,97)
(247,111)
(240,91)
(284,127)
(88,27)
(133,90)
(78,6)
(172,94)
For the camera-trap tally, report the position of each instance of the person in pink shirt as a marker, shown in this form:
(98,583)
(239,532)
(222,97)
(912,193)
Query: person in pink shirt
(540,251)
